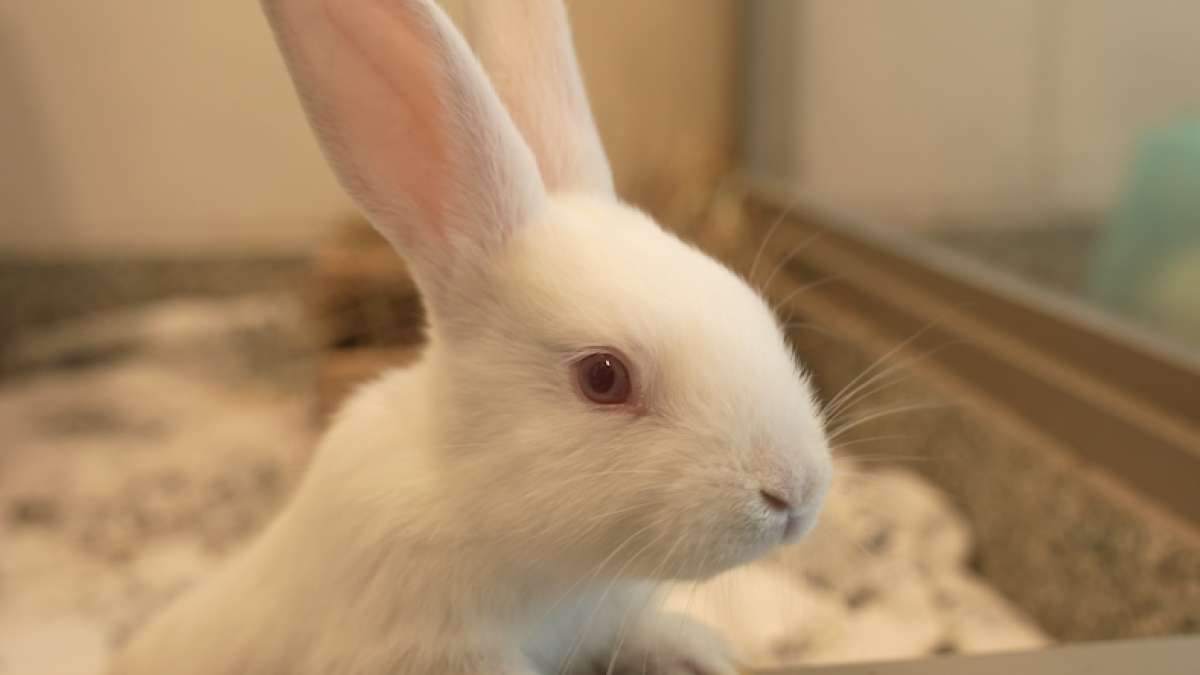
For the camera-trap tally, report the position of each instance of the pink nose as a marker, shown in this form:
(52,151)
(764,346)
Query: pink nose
(775,502)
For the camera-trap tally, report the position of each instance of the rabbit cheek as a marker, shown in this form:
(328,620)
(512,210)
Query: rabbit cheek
(747,537)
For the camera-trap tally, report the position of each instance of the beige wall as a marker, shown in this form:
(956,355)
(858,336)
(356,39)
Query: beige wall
(142,125)
(149,125)
(987,113)
(920,104)
(664,81)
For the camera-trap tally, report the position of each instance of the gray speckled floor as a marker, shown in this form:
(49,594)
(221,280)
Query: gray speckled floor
(127,474)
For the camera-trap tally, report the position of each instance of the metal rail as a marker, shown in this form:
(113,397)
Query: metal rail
(1161,656)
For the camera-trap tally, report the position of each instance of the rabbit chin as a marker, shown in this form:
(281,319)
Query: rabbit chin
(688,551)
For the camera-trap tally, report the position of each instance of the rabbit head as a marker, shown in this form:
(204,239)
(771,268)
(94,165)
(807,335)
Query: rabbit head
(599,395)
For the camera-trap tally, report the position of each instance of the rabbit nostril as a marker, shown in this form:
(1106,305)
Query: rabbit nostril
(775,502)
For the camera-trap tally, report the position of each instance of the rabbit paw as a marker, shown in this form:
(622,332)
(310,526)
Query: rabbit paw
(673,644)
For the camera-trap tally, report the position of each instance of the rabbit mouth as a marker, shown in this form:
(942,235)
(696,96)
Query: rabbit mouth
(799,523)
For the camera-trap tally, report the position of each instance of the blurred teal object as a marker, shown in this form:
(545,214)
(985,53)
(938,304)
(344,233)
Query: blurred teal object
(1147,264)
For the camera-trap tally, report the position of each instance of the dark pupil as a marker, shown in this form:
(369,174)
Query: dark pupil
(602,376)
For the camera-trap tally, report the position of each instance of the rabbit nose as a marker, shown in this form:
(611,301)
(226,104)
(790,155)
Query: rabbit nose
(775,502)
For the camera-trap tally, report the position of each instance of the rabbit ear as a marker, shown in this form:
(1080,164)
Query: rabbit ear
(525,45)
(412,127)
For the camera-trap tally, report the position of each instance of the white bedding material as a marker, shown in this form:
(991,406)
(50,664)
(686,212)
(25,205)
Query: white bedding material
(125,481)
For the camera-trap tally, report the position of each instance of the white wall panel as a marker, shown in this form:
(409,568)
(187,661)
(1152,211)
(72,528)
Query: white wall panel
(990,113)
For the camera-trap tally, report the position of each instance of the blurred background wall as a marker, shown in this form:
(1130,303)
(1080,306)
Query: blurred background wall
(942,113)
(149,127)
(135,125)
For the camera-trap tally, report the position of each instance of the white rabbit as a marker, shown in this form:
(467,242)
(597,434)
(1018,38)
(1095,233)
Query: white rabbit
(600,409)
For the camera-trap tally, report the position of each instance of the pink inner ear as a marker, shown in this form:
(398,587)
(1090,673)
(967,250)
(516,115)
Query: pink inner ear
(411,126)
(406,143)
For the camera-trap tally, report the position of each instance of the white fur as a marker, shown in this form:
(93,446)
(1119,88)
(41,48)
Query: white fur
(475,513)
(538,80)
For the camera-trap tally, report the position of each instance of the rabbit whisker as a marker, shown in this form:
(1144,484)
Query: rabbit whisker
(589,576)
(597,474)
(604,596)
(849,397)
(692,595)
(767,239)
(847,457)
(865,476)
(849,544)
(897,459)
(594,519)
(865,506)
(791,254)
(601,516)
(903,344)
(804,325)
(854,422)
(808,287)
(627,621)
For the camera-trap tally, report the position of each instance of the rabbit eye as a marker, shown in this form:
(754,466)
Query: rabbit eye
(603,378)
